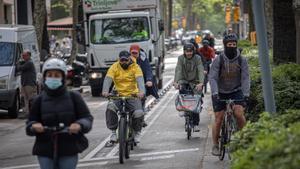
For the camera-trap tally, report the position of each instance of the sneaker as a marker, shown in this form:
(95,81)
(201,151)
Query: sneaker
(137,137)
(113,136)
(215,150)
(196,128)
(144,124)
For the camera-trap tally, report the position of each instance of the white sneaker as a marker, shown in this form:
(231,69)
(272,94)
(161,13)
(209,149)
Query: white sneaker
(215,150)
(137,137)
(113,136)
(181,113)
(196,128)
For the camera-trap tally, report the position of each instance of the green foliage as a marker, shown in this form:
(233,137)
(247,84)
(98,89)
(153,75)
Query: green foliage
(286,83)
(269,143)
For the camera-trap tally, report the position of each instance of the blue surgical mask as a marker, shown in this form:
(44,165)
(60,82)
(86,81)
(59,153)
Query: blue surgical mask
(53,83)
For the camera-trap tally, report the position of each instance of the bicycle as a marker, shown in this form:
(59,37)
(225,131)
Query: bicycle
(228,128)
(125,130)
(55,131)
(188,114)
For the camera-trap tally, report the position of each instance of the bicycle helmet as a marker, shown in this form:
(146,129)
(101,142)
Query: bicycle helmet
(55,64)
(230,38)
(188,46)
(205,42)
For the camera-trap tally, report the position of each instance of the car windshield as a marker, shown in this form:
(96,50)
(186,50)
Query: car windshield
(7,51)
(119,30)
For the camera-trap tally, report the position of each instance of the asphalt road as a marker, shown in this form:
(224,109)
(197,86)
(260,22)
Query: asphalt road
(163,145)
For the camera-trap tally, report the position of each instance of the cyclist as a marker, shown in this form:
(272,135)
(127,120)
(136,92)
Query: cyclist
(189,70)
(53,106)
(140,57)
(229,79)
(210,39)
(128,80)
(207,53)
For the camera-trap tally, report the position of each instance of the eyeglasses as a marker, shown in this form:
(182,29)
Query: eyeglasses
(189,51)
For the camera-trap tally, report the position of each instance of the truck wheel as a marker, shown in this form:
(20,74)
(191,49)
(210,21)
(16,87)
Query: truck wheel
(95,92)
(13,111)
(160,84)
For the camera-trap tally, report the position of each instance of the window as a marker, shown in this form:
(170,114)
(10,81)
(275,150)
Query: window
(119,30)
(7,53)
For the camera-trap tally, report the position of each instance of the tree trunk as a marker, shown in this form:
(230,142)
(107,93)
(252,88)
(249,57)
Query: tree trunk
(251,18)
(189,14)
(284,47)
(170,12)
(269,20)
(40,15)
(75,22)
(297,21)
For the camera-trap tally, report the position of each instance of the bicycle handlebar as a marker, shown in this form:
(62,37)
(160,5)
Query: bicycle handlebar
(61,128)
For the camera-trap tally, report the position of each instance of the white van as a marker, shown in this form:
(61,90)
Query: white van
(13,40)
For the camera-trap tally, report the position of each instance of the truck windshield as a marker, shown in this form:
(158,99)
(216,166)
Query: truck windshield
(7,51)
(119,30)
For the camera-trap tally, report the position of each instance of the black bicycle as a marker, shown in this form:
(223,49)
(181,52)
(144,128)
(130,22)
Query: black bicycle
(55,132)
(186,91)
(229,126)
(125,130)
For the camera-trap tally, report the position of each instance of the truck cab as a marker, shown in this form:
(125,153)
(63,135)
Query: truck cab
(110,30)
(13,39)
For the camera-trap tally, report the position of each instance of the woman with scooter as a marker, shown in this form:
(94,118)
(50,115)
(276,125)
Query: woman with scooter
(58,118)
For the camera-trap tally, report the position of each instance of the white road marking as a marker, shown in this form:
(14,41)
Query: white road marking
(22,166)
(102,144)
(157,157)
(96,161)
(160,153)
(93,164)
(165,101)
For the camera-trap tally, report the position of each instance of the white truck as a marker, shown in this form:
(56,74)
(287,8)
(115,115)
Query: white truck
(13,40)
(113,25)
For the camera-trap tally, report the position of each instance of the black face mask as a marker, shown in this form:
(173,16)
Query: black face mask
(231,52)
(125,65)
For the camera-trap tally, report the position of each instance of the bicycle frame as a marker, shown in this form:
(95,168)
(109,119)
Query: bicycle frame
(125,134)
(228,127)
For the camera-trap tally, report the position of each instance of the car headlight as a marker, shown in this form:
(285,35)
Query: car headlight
(95,75)
(3,82)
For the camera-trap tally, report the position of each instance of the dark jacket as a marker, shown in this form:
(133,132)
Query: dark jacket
(28,73)
(51,108)
(144,64)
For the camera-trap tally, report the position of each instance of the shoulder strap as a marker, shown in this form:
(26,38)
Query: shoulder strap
(221,63)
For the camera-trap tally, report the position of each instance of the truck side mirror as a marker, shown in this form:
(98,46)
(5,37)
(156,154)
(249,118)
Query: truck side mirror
(161,26)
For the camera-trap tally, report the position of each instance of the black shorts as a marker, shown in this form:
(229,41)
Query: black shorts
(219,106)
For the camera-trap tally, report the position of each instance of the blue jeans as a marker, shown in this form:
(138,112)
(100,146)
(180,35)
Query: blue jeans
(66,162)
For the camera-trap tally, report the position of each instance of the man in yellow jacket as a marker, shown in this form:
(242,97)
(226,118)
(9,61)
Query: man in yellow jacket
(128,80)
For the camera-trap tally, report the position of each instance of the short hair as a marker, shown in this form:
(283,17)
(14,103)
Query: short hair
(27,51)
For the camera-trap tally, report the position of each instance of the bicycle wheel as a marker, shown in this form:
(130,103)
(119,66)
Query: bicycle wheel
(188,127)
(122,139)
(222,141)
(128,145)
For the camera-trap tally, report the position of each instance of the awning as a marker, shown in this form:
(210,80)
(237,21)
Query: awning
(61,22)
(64,24)
(59,29)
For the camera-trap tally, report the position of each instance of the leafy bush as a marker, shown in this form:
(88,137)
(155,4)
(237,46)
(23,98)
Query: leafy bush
(286,83)
(269,143)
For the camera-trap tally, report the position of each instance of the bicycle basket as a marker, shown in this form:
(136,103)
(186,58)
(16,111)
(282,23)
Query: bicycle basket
(190,103)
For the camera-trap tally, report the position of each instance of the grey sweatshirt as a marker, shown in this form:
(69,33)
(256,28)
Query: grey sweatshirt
(231,78)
